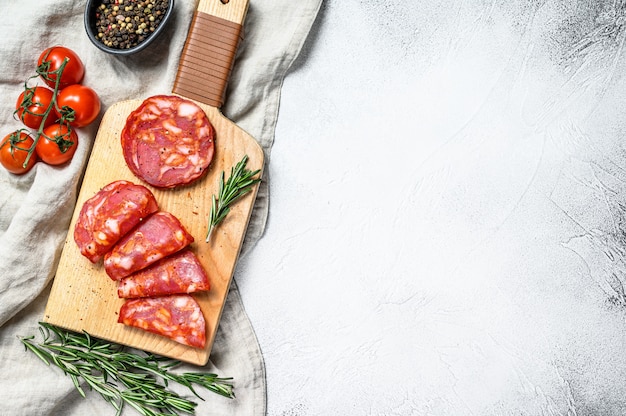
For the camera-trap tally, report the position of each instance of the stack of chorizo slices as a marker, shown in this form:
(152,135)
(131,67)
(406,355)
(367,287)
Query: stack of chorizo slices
(168,141)
(146,251)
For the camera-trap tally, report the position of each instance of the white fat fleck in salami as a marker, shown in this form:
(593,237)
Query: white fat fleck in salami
(156,237)
(109,214)
(177,317)
(168,141)
(177,273)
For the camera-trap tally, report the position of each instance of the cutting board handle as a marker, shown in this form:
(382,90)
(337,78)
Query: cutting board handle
(209,52)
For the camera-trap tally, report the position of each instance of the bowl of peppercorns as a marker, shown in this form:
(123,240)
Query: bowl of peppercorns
(124,27)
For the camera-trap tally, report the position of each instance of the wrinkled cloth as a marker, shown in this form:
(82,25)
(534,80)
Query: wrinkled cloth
(35,208)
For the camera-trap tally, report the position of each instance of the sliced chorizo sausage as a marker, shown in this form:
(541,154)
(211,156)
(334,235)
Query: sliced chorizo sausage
(168,141)
(178,273)
(108,215)
(156,237)
(177,317)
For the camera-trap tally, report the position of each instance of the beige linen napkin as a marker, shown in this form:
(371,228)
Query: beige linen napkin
(35,208)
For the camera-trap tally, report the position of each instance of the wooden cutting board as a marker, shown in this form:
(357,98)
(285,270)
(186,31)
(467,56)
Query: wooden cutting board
(83,297)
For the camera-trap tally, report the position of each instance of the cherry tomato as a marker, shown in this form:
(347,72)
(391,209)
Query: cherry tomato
(79,104)
(57,145)
(32,104)
(14,152)
(51,60)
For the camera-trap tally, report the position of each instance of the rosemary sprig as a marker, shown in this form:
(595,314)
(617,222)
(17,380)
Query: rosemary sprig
(238,184)
(121,377)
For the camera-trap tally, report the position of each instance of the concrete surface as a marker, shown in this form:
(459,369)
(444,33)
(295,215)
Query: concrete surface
(446,230)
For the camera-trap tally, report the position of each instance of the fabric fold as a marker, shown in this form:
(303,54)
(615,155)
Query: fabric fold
(35,209)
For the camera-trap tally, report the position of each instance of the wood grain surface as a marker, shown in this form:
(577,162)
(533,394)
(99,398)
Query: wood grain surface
(84,298)
(233,10)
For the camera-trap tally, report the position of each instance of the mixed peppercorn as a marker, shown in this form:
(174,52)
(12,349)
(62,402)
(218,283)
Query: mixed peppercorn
(123,24)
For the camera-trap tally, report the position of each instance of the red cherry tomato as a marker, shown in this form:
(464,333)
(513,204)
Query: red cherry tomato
(32,104)
(57,145)
(79,104)
(14,152)
(52,59)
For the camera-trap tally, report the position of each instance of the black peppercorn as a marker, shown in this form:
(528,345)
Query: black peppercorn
(123,24)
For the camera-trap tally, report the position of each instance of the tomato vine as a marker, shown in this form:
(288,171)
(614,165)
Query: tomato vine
(52,112)
(63,141)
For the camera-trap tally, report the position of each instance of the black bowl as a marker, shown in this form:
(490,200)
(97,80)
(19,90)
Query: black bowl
(92,31)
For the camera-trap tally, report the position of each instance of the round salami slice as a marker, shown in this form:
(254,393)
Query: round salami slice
(109,214)
(178,273)
(168,141)
(156,237)
(177,317)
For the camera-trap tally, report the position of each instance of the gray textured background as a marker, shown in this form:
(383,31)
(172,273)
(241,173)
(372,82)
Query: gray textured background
(446,229)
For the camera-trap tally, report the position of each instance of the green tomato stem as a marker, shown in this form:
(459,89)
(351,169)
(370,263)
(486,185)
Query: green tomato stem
(53,105)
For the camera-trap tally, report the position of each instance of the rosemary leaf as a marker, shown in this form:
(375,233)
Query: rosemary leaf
(238,184)
(39,353)
(120,377)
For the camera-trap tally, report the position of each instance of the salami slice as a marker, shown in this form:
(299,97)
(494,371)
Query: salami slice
(158,236)
(177,317)
(109,214)
(168,141)
(178,273)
